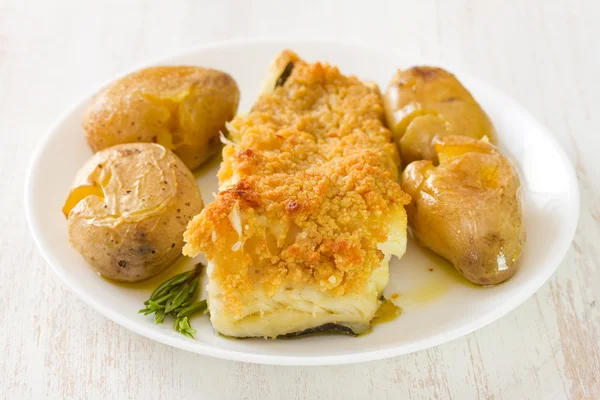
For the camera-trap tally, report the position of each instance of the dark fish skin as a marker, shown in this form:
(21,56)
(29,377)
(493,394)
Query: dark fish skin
(331,328)
(287,71)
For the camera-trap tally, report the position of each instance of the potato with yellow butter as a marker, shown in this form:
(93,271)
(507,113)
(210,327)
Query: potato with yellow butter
(128,208)
(422,103)
(182,108)
(468,208)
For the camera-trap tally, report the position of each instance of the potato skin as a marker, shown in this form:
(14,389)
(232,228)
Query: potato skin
(131,226)
(468,209)
(182,108)
(422,103)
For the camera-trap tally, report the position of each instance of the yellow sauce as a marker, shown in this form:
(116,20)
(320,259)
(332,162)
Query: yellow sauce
(441,278)
(424,294)
(447,270)
(386,312)
(180,265)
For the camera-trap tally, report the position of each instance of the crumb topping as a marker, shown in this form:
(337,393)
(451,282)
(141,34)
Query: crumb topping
(312,180)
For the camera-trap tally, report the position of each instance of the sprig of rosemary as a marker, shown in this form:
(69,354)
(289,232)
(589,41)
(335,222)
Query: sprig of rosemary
(176,297)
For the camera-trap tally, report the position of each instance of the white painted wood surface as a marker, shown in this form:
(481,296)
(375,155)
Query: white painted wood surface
(546,54)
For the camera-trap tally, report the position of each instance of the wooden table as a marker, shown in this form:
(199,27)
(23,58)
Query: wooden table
(544,54)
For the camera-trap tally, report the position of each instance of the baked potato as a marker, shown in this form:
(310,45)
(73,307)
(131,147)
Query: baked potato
(468,208)
(180,108)
(128,209)
(422,103)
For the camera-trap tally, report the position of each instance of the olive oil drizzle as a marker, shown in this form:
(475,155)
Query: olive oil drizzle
(386,312)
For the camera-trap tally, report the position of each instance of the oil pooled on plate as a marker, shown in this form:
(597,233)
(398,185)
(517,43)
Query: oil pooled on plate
(430,277)
(386,312)
(180,265)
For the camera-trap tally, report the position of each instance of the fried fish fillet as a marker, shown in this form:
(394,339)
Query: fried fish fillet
(309,211)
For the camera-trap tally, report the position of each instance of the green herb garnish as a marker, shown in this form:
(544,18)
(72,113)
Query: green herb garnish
(177,297)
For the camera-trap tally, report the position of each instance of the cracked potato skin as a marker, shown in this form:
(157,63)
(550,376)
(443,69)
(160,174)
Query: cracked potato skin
(422,103)
(468,209)
(182,108)
(128,208)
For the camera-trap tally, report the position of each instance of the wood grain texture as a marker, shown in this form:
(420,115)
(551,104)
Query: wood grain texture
(544,54)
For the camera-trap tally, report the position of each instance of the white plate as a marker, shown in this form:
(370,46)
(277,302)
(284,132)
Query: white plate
(437,306)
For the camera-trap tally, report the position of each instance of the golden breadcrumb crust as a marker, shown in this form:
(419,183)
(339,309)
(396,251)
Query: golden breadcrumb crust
(308,188)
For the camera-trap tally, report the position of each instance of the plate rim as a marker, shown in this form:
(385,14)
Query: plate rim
(531,286)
